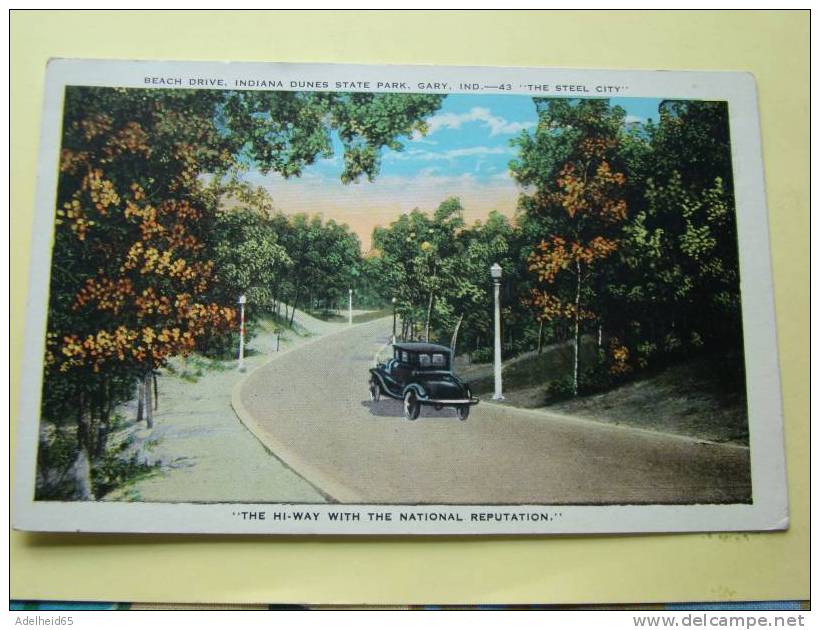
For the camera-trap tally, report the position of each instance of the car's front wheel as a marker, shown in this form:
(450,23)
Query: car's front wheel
(463,412)
(412,406)
(375,390)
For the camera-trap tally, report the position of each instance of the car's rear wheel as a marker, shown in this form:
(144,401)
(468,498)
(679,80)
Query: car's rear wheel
(412,406)
(463,412)
(375,390)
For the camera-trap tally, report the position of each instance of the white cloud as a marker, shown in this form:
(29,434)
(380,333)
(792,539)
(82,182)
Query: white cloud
(451,154)
(483,115)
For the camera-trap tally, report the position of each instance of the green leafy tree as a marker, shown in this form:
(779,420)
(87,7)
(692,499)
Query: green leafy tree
(417,257)
(482,245)
(678,289)
(248,258)
(571,161)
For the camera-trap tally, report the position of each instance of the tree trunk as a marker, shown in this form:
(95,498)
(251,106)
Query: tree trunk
(149,406)
(83,428)
(540,335)
(80,472)
(156,390)
(455,335)
(105,424)
(577,327)
(293,306)
(140,399)
(427,322)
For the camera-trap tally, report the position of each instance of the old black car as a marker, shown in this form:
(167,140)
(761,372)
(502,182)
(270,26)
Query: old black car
(421,374)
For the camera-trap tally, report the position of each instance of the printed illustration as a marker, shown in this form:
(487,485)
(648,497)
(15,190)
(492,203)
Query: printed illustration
(393,298)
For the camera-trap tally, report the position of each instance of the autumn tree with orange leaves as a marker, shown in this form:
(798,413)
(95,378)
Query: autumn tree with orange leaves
(131,276)
(143,179)
(570,163)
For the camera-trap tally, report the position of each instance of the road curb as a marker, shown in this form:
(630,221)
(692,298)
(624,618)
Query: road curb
(328,487)
(611,426)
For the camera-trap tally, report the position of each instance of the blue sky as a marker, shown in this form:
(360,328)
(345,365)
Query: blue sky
(465,154)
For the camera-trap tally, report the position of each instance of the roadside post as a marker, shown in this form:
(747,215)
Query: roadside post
(495,273)
(241,366)
(350,307)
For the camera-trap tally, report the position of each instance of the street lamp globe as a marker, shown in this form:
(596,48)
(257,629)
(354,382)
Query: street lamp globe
(242,299)
(495,271)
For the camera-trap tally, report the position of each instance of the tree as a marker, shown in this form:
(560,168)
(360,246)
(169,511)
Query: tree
(401,263)
(417,256)
(284,132)
(137,276)
(131,276)
(571,162)
(678,285)
(323,260)
(248,257)
(483,244)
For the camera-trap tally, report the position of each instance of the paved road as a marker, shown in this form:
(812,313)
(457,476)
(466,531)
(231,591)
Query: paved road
(310,407)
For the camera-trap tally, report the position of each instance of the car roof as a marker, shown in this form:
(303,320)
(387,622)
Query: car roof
(415,346)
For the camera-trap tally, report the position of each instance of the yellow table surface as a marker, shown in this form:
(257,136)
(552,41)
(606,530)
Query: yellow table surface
(690,567)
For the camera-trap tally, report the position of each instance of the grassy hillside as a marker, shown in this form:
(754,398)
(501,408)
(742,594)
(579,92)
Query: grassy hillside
(359,316)
(693,398)
(528,371)
(697,398)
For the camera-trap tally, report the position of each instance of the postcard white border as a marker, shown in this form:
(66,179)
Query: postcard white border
(769,509)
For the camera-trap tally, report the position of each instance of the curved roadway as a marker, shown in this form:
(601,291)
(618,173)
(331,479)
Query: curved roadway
(310,408)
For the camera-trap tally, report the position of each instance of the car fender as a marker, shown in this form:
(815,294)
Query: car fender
(420,393)
(384,383)
(378,376)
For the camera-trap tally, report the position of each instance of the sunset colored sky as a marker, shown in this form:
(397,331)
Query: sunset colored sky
(465,154)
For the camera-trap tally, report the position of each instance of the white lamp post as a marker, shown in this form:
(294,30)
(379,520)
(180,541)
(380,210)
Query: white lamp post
(350,307)
(241,366)
(495,273)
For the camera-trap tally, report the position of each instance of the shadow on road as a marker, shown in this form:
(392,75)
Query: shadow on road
(389,408)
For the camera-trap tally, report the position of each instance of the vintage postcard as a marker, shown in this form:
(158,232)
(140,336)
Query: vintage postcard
(338,299)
